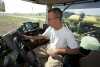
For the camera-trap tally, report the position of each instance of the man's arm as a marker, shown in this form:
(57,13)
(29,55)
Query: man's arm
(66,51)
(62,51)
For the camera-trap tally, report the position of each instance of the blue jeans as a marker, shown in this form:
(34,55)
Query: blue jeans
(71,60)
(67,62)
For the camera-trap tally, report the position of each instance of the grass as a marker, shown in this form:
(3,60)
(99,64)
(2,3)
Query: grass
(9,23)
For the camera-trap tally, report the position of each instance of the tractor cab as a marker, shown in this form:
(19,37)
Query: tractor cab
(81,16)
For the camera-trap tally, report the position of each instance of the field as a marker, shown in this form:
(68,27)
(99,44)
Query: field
(10,23)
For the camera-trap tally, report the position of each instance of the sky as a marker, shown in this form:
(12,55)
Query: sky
(87,11)
(18,6)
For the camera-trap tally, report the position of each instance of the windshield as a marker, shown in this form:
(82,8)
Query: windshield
(14,13)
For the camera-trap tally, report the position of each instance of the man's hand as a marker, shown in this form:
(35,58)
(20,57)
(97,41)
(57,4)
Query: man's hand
(52,52)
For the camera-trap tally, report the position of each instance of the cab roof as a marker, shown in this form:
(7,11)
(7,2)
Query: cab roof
(52,2)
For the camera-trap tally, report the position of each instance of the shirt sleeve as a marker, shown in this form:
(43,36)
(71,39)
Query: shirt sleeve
(47,32)
(71,42)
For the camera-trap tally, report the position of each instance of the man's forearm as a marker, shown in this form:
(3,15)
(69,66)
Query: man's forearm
(67,51)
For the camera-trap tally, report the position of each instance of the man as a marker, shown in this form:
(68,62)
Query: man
(61,38)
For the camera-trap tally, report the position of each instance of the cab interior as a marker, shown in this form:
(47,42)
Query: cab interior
(79,22)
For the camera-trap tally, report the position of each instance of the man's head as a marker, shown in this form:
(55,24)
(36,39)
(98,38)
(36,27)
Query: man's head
(54,17)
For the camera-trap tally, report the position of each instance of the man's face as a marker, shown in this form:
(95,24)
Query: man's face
(52,19)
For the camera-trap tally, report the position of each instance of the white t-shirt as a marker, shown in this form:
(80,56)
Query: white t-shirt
(62,38)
